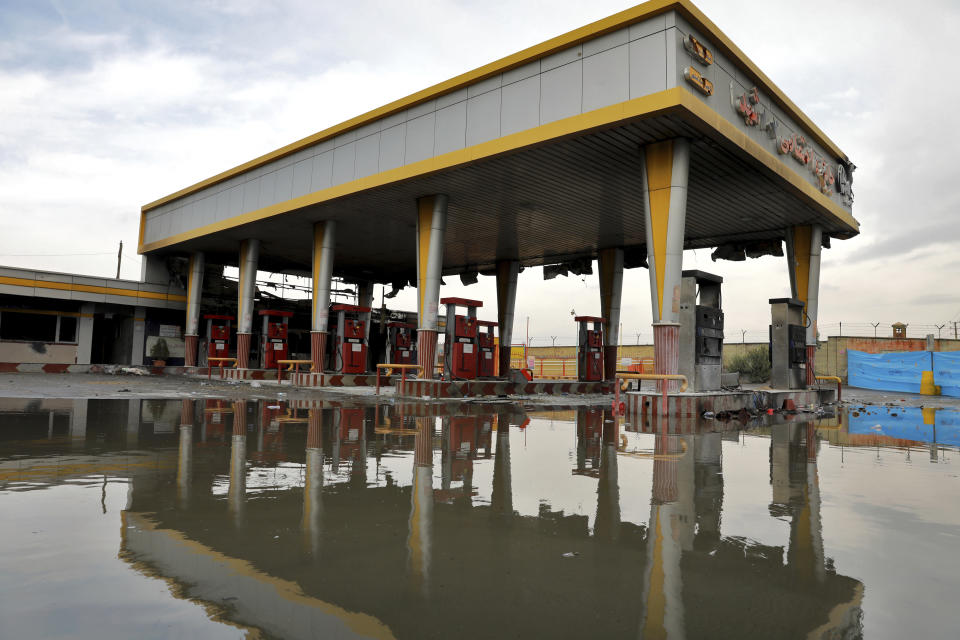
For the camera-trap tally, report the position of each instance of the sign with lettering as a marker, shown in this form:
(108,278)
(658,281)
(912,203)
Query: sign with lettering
(830,178)
(700,83)
(696,49)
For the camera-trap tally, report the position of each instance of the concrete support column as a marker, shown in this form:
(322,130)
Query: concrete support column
(431,228)
(507,273)
(365,299)
(610,266)
(324,241)
(139,335)
(803,260)
(85,333)
(191,334)
(249,256)
(665,167)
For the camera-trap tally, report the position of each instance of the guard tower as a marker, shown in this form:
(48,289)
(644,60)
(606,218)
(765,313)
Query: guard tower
(788,344)
(701,330)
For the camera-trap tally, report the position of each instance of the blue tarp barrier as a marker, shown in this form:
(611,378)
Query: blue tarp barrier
(908,424)
(898,371)
(946,372)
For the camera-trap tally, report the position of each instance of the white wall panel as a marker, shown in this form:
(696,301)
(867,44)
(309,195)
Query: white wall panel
(451,128)
(520,106)
(606,78)
(392,144)
(561,92)
(420,138)
(648,70)
(483,117)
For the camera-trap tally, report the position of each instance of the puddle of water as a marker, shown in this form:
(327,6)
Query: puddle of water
(145,518)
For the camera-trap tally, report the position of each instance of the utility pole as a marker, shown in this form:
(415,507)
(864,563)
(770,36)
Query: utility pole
(119,255)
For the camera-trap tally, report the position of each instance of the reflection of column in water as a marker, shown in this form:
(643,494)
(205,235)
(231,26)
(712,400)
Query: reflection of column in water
(930,420)
(806,533)
(185,457)
(607,523)
(238,462)
(313,486)
(133,423)
(670,525)
(796,492)
(501,501)
(78,422)
(708,497)
(446,454)
(421,505)
(335,452)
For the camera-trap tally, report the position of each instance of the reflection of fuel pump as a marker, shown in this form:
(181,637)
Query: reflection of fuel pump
(590,349)
(463,441)
(589,432)
(402,339)
(218,333)
(486,356)
(348,430)
(273,341)
(788,344)
(460,342)
(214,413)
(350,347)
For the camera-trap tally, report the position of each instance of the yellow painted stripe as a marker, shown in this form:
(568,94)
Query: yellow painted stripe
(45,312)
(801,255)
(318,230)
(66,286)
(655,625)
(676,100)
(361,624)
(424,224)
(641,12)
(659,158)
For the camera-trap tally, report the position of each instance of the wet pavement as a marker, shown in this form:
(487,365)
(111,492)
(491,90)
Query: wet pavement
(298,518)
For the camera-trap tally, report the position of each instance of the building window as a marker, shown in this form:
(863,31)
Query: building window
(29,327)
(24,326)
(68,329)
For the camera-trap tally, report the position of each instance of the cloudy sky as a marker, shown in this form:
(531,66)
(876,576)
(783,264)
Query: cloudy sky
(107,105)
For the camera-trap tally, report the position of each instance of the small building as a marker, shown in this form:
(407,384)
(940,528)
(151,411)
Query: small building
(61,319)
(899,330)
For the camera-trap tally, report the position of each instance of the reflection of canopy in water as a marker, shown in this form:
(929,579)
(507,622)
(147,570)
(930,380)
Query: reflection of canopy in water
(510,566)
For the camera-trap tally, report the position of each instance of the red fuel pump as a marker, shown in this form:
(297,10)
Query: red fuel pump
(273,341)
(402,338)
(350,347)
(460,345)
(349,432)
(487,358)
(590,349)
(218,334)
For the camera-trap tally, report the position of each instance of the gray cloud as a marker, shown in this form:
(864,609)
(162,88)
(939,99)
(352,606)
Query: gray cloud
(108,105)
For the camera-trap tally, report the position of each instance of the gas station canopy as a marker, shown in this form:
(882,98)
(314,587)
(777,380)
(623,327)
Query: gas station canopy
(539,155)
